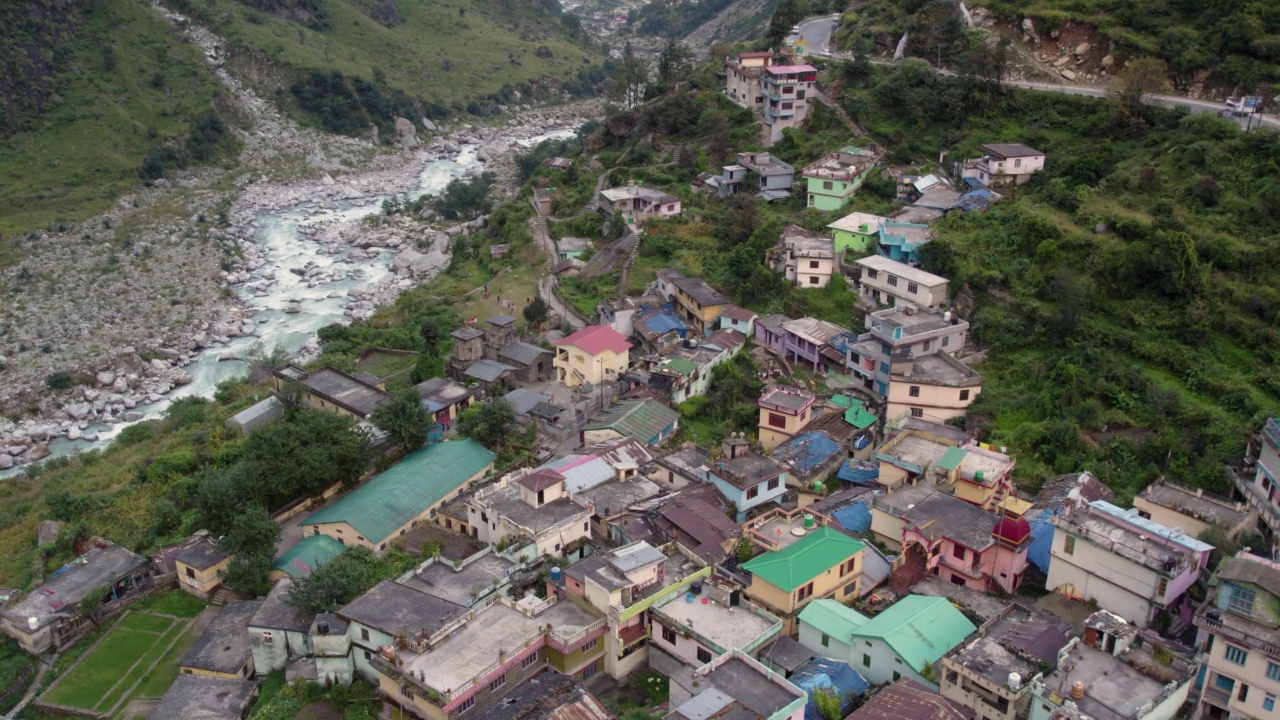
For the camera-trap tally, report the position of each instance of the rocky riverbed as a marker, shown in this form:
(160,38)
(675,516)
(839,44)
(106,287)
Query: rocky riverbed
(131,308)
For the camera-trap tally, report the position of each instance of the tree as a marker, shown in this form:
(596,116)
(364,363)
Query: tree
(90,606)
(741,216)
(490,424)
(339,582)
(217,502)
(828,703)
(1138,81)
(430,332)
(536,312)
(629,79)
(248,574)
(784,18)
(403,418)
(253,532)
(673,63)
(303,456)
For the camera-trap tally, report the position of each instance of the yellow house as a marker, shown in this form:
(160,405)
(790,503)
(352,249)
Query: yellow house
(200,568)
(697,302)
(595,354)
(783,412)
(224,651)
(934,387)
(823,564)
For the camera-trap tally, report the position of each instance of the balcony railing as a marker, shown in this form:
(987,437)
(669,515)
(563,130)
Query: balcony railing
(1258,499)
(1216,696)
(1236,635)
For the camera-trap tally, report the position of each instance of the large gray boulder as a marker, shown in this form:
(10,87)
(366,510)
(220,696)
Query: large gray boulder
(405,136)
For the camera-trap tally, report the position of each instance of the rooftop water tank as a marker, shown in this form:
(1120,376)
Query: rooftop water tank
(1015,681)
(555,574)
(808,521)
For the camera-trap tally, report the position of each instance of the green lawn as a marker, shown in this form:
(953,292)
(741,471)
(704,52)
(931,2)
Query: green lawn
(175,602)
(118,661)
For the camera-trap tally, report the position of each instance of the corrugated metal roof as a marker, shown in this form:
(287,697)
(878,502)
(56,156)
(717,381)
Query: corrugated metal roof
(859,417)
(952,458)
(422,478)
(804,559)
(919,628)
(310,553)
(831,617)
(643,420)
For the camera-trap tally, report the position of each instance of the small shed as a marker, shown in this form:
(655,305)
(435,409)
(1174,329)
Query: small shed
(257,416)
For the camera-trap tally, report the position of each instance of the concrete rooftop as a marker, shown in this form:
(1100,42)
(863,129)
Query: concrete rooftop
(1113,689)
(939,369)
(727,627)
(745,684)
(916,450)
(440,579)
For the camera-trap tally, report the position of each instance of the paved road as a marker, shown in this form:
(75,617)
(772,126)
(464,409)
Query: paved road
(817,32)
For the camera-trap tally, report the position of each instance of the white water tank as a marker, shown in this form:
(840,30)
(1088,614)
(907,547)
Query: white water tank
(33,623)
(1015,681)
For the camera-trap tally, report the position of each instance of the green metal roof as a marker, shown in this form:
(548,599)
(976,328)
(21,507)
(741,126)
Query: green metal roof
(421,479)
(859,418)
(831,618)
(952,458)
(308,555)
(643,420)
(684,366)
(919,628)
(843,401)
(805,559)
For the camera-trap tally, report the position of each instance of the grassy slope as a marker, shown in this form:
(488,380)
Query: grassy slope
(477,43)
(88,147)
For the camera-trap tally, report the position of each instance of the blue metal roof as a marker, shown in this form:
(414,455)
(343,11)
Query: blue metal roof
(807,451)
(858,471)
(831,675)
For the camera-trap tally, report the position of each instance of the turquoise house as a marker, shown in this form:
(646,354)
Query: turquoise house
(902,241)
(834,179)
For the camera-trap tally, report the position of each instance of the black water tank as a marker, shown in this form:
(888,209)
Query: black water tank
(696,587)
(323,627)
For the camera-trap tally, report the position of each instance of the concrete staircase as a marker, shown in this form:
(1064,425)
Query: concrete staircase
(676,153)
(220,596)
(854,127)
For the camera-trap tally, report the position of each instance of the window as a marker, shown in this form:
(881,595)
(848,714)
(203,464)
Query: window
(914,391)
(787,89)
(804,592)
(884,347)
(1273,671)
(776,420)
(1017,162)
(964,395)
(753,492)
(529,661)
(542,496)
(946,341)
(957,551)
(589,644)
(1269,702)
(814,280)
(467,704)
(774,483)
(872,274)
(191,573)
(498,682)
(866,660)
(1244,692)
(1241,600)
(927,343)
(589,670)
(364,634)
(383,546)
(826,641)
(917,412)
(799,94)
(1069,545)
(787,105)
(953,677)
(1236,655)
(368,655)
(897,676)
(669,635)
(813,264)
(847,566)
(1225,683)
(704,655)
(1162,587)
(266,638)
(586,527)
(884,368)
(893,281)
(913,288)
(827,185)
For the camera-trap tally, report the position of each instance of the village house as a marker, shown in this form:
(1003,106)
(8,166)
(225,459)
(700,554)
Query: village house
(807,341)
(776,176)
(728,182)
(623,584)
(49,617)
(549,695)
(647,421)
(492,377)
(992,672)
(694,632)
(659,331)
(769,333)
(223,651)
(856,233)
(900,331)
(637,203)
(803,258)
(200,567)
(901,241)
(963,544)
(901,642)
(529,507)
(331,650)
(909,700)
(1260,485)
(620,313)
(888,282)
(471,663)
(745,477)
(785,656)
(391,613)
(500,331)
(822,675)
(934,458)
(1128,564)
(402,496)
(818,451)
(308,555)
(1115,672)
(1002,164)
(573,247)
(697,302)
(279,633)
(1239,636)
(833,179)
(444,399)
(1174,505)
(697,526)
(786,90)
(935,387)
(784,410)
(468,349)
(195,697)
(742,72)
(733,685)
(595,354)
(680,467)
(331,390)
(823,563)
(532,364)
(740,319)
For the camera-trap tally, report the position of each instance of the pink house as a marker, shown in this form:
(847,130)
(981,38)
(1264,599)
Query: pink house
(771,334)
(963,544)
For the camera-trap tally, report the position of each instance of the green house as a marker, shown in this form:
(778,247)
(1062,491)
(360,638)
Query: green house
(856,233)
(834,179)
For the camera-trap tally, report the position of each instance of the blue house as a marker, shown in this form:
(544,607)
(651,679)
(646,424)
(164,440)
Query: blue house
(902,241)
(832,676)
(746,478)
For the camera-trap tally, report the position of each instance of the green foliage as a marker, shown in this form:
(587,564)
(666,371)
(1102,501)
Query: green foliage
(465,199)
(337,583)
(253,532)
(248,574)
(301,457)
(536,312)
(404,419)
(491,424)
(60,380)
(828,703)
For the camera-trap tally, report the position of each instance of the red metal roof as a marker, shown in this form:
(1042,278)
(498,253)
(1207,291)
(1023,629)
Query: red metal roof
(595,339)
(541,480)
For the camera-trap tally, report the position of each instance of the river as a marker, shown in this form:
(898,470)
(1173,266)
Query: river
(285,247)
